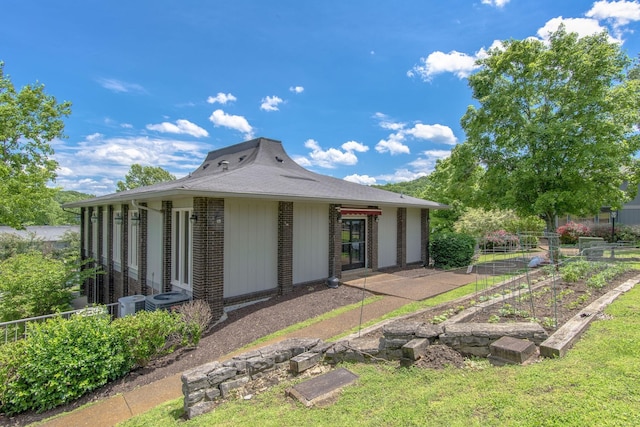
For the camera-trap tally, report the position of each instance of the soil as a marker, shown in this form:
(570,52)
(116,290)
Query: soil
(545,305)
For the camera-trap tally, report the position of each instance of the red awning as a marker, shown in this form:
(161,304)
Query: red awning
(360,211)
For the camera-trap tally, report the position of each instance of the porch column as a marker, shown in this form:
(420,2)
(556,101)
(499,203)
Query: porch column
(424,236)
(167,217)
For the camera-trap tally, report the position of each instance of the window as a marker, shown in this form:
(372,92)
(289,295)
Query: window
(134,219)
(181,238)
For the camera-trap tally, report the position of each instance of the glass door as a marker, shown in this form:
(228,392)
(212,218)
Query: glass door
(353,243)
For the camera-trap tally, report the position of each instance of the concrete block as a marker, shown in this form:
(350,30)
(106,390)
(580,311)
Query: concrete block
(509,350)
(415,348)
(304,361)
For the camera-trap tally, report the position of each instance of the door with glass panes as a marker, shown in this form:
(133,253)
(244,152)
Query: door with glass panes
(353,243)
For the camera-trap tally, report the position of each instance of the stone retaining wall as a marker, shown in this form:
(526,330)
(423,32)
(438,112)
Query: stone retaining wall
(402,340)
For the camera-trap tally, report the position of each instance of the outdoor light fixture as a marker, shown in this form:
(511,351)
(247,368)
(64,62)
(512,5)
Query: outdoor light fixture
(193,218)
(217,219)
(135,219)
(118,218)
(377,218)
(94,217)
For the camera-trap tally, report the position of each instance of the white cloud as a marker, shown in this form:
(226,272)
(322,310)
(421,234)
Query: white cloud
(126,125)
(401,175)
(221,98)
(270,103)
(460,64)
(95,164)
(239,123)
(581,26)
(296,89)
(393,145)
(619,13)
(355,146)
(331,157)
(360,179)
(118,86)
(436,133)
(182,126)
(496,3)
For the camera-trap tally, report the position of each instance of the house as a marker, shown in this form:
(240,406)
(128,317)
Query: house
(52,237)
(248,224)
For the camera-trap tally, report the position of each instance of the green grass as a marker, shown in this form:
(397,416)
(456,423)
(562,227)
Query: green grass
(595,384)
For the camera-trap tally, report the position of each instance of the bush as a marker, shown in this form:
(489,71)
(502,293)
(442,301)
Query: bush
(149,334)
(33,284)
(59,361)
(196,315)
(452,250)
(570,232)
(479,222)
(499,239)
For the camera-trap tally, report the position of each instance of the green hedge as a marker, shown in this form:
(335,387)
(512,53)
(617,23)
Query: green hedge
(452,250)
(59,361)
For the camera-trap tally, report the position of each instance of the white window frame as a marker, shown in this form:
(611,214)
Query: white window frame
(181,248)
(133,241)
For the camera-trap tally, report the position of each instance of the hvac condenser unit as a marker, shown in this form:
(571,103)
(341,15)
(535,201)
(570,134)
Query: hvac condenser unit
(131,305)
(165,301)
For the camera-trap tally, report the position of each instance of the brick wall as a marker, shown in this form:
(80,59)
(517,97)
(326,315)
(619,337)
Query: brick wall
(335,242)
(372,242)
(285,247)
(424,236)
(90,287)
(124,251)
(208,253)
(143,229)
(167,219)
(401,251)
(109,291)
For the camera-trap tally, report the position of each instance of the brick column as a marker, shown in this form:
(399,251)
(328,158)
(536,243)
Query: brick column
(143,227)
(167,217)
(110,267)
(424,236)
(83,248)
(124,250)
(401,251)
(208,253)
(372,242)
(285,247)
(335,242)
(91,297)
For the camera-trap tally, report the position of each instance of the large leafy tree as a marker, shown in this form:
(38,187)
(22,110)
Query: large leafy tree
(556,125)
(140,176)
(29,120)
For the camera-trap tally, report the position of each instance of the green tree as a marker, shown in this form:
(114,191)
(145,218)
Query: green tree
(555,127)
(55,215)
(140,176)
(29,120)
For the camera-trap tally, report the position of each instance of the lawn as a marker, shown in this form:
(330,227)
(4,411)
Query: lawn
(595,384)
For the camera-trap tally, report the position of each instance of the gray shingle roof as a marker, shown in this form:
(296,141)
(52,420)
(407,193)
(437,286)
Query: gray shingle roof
(261,168)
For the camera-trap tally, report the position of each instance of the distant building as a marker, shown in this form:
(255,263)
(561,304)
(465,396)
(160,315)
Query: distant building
(51,235)
(248,224)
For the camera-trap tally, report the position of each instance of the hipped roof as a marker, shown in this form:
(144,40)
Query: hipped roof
(260,168)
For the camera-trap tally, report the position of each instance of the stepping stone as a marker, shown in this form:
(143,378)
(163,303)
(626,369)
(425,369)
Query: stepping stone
(509,350)
(323,387)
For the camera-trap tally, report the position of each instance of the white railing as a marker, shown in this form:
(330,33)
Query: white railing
(17,329)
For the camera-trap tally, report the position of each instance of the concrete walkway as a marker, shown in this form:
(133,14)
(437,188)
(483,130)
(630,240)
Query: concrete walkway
(397,289)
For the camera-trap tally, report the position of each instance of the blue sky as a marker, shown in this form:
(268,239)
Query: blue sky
(369,91)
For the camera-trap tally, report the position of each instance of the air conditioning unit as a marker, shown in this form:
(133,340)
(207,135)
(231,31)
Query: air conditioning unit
(165,301)
(131,305)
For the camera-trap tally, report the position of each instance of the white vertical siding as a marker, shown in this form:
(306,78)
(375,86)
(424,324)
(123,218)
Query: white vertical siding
(310,242)
(414,235)
(387,237)
(250,247)
(154,248)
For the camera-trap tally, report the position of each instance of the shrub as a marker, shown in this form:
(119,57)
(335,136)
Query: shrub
(59,361)
(479,222)
(149,334)
(499,239)
(452,250)
(33,284)
(196,315)
(570,232)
